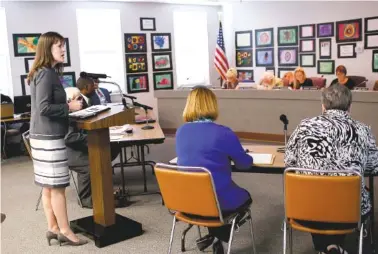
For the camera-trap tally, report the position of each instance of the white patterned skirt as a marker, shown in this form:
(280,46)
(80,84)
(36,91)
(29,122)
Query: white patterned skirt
(50,161)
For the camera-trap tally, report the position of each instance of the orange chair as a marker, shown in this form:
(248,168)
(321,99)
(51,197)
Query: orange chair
(190,191)
(306,196)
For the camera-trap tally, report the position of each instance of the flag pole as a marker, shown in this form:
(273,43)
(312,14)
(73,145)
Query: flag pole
(219,22)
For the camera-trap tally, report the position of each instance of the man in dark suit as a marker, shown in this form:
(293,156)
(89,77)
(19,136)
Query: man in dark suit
(99,95)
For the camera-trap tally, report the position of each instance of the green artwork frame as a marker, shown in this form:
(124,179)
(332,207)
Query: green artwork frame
(326,67)
(287,36)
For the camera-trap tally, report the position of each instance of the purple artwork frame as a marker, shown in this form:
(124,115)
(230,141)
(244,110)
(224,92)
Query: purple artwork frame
(325,29)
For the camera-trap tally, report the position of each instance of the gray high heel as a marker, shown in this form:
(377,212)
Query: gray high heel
(51,235)
(63,239)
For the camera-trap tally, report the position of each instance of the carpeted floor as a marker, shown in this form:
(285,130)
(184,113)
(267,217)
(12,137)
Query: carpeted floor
(24,229)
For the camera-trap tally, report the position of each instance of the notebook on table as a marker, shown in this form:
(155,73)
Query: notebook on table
(89,112)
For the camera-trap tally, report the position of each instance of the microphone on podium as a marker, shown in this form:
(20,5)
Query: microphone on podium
(84,74)
(285,121)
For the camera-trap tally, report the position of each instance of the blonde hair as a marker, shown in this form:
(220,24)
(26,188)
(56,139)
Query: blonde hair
(201,103)
(299,69)
(72,93)
(232,72)
(43,55)
(375,88)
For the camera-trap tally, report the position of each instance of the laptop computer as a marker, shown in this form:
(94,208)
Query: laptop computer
(22,104)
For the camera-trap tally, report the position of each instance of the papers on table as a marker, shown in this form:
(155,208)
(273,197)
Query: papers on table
(262,158)
(117,132)
(258,159)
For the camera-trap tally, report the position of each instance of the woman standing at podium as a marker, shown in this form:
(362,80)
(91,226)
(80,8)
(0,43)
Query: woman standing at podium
(48,126)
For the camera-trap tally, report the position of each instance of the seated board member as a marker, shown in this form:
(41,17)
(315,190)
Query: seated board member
(375,87)
(269,81)
(201,142)
(288,79)
(99,95)
(300,80)
(342,79)
(76,141)
(232,79)
(86,87)
(333,141)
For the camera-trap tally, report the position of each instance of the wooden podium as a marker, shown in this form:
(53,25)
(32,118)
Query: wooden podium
(105,226)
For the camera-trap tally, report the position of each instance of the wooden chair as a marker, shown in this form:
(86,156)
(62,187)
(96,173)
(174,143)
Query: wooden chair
(306,197)
(319,82)
(190,191)
(26,139)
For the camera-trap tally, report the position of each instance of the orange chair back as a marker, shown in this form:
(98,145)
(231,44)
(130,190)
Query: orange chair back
(322,198)
(26,139)
(188,190)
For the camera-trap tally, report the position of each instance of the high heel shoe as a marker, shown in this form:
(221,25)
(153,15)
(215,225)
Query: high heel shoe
(51,235)
(63,239)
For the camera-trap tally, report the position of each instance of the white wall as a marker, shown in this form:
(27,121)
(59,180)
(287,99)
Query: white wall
(257,15)
(40,17)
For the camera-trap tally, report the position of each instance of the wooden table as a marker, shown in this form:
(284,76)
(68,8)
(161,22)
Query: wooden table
(15,120)
(139,138)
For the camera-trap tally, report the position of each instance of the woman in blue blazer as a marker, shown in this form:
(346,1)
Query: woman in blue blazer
(201,142)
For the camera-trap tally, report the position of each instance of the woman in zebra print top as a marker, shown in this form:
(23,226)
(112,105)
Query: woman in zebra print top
(332,141)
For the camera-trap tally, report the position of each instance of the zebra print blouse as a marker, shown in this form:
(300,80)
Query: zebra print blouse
(334,141)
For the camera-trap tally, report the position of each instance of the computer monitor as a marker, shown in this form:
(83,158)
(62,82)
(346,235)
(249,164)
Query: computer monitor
(22,104)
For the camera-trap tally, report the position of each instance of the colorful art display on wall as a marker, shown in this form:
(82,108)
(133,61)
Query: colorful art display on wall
(375,61)
(264,37)
(307,60)
(147,24)
(287,36)
(325,48)
(135,43)
(307,45)
(163,80)
(161,41)
(326,67)
(244,58)
(325,29)
(243,39)
(161,61)
(349,30)
(347,50)
(136,63)
(288,56)
(137,83)
(371,24)
(371,41)
(25,44)
(68,79)
(265,57)
(245,76)
(307,31)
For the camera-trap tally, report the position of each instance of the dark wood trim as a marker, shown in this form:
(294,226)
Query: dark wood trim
(266,137)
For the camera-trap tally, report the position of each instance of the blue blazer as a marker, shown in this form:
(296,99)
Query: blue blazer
(209,145)
(95,100)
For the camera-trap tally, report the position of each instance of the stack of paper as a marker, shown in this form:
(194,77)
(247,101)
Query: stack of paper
(262,158)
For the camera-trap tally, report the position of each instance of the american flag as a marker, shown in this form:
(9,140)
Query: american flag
(220,60)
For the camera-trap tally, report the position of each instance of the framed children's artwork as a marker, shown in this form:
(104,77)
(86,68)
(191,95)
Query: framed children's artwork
(326,67)
(307,60)
(264,37)
(288,56)
(244,58)
(371,41)
(243,39)
(349,30)
(163,80)
(28,63)
(375,61)
(245,76)
(135,43)
(283,71)
(264,57)
(147,24)
(25,88)
(136,63)
(161,42)
(325,29)
(161,61)
(325,48)
(371,24)
(68,79)
(137,83)
(347,50)
(271,69)
(287,36)
(67,58)
(307,31)
(25,44)
(307,45)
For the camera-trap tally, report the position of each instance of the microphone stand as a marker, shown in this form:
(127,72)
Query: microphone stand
(147,126)
(119,90)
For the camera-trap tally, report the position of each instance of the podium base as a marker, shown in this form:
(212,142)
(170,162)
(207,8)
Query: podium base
(123,229)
